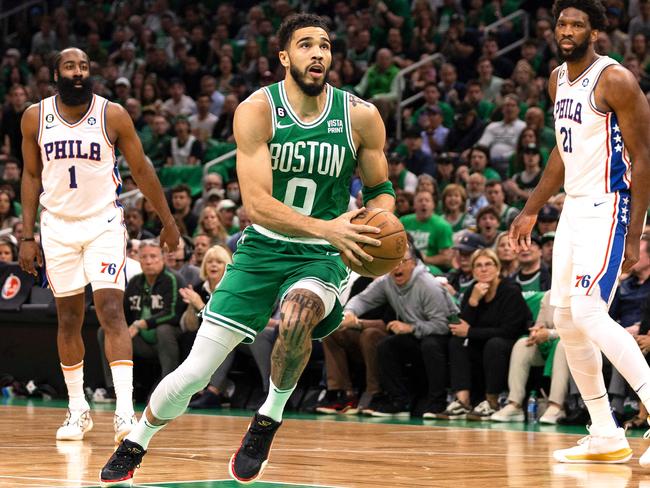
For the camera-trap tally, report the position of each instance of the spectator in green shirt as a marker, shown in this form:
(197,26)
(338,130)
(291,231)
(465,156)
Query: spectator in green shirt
(431,233)
(380,83)
(160,140)
(479,160)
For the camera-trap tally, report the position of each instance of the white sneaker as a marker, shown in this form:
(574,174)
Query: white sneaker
(509,413)
(595,448)
(76,424)
(644,460)
(122,425)
(552,415)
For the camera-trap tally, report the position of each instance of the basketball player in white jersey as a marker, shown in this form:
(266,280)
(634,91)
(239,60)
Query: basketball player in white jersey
(602,157)
(69,143)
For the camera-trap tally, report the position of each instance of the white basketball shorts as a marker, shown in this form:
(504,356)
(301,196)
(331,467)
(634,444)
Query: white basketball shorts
(589,247)
(82,251)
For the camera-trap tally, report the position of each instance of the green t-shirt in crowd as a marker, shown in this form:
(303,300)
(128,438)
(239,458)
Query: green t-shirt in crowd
(430,237)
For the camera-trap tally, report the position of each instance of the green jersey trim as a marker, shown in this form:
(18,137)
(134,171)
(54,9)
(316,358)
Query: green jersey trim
(324,114)
(272,105)
(299,240)
(348,124)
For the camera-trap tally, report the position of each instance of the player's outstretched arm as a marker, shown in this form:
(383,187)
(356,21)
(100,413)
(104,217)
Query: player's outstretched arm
(622,94)
(119,122)
(252,130)
(30,188)
(369,130)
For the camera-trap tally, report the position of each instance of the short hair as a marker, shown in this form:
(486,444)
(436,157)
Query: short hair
(492,183)
(487,253)
(454,188)
(182,188)
(488,209)
(299,21)
(594,9)
(155,242)
(218,252)
(59,56)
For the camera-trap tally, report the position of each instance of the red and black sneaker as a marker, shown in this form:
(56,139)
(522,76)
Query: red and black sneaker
(248,463)
(336,401)
(120,468)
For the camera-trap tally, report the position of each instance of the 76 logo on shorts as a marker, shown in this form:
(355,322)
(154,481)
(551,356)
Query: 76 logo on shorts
(583,281)
(109,268)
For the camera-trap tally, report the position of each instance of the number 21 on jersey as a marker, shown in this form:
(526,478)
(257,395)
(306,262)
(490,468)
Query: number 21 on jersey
(567,144)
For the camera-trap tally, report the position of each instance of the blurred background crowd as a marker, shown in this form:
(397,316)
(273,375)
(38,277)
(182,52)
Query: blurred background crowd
(462,88)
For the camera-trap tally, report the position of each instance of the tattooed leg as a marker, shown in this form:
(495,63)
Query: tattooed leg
(301,311)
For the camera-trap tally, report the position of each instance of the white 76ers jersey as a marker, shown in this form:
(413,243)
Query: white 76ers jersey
(589,141)
(80,176)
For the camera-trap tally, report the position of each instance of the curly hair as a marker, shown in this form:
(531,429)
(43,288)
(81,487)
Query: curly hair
(593,8)
(299,21)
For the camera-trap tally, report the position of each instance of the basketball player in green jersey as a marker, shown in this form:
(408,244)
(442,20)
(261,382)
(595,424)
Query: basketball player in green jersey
(298,144)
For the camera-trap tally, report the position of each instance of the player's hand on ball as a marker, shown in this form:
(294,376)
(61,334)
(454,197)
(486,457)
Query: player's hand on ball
(30,252)
(169,237)
(520,231)
(345,236)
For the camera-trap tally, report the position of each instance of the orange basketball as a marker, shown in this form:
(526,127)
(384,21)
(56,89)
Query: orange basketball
(393,243)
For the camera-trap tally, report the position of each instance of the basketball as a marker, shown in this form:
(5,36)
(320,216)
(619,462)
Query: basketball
(393,243)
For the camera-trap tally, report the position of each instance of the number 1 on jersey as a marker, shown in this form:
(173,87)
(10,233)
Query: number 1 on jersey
(73,177)
(567,144)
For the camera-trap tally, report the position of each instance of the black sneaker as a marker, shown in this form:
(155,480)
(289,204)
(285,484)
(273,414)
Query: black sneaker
(392,409)
(248,463)
(337,401)
(120,468)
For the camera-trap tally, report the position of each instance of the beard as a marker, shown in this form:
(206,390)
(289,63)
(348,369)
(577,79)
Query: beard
(309,89)
(577,53)
(73,95)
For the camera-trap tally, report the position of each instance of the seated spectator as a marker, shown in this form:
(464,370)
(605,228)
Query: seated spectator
(8,250)
(134,225)
(431,96)
(202,123)
(466,131)
(152,222)
(179,103)
(355,341)
(434,134)
(454,205)
(211,226)
(476,198)
(423,306)
(379,83)
(427,183)
(532,274)
(226,212)
(223,129)
(445,170)
(157,148)
(401,177)
(184,149)
(416,160)
(403,203)
(7,211)
(487,225)
(548,240)
(179,261)
(201,244)
(233,192)
(153,308)
(432,235)
(490,84)
(244,221)
(497,199)
(182,206)
(542,347)
(475,100)
(535,120)
(528,137)
(479,162)
(501,137)
(461,278)
(547,219)
(211,182)
(493,316)
(507,256)
(522,184)
(11,175)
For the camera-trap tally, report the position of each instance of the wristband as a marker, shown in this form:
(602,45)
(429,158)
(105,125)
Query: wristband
(27,239)
(373,192)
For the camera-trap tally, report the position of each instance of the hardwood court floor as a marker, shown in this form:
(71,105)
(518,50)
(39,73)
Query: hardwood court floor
(193,453)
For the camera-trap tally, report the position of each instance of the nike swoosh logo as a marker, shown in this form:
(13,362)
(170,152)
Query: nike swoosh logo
(111,220)
(560,84)
(50,126)
(598,204)
(280,126)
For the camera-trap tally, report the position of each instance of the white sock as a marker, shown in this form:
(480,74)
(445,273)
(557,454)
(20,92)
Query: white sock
(275,402)
(122,371)
(601,414)
(143,432)
(74,381)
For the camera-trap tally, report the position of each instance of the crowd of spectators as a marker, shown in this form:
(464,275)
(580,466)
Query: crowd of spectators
(474,140)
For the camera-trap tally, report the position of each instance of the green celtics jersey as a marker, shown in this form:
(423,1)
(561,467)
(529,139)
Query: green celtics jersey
(312,162)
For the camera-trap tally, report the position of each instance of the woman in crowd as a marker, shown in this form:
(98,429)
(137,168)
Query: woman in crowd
(522,183)
(454,204)
(493,316)
(210,225)
(506,255)
(7,211)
